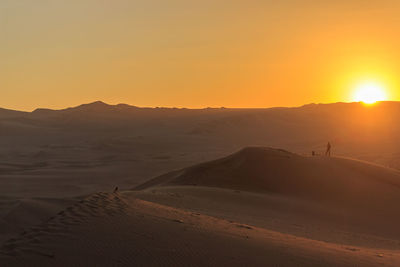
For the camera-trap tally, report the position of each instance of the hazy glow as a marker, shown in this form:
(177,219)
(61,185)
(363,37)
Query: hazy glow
(207,53)
(370,93)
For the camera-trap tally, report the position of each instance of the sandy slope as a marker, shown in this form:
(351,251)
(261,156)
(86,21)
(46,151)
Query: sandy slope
(283,214)
(335,181)
(62,154)
(333,193)
(276,170)
(113,230)
(18,214)
(257,207)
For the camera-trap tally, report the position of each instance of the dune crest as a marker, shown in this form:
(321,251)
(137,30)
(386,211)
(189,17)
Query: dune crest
(268,170)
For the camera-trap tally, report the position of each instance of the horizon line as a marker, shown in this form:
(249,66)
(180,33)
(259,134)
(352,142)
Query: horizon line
(187,108)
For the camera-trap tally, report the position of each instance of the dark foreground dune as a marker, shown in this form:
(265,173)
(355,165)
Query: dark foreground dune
(112,230)
(257,207)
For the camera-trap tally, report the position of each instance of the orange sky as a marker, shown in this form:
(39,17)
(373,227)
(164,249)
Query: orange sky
(210,53)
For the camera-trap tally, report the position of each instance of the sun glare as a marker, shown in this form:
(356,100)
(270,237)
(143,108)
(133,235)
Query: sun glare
(369,93)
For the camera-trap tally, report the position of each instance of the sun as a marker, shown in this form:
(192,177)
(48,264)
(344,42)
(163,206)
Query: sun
(369,93)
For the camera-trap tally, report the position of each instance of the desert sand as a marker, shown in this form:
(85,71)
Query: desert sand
(212,202)
(257,207)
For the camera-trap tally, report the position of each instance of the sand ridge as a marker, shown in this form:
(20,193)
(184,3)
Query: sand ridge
(108,229)
(99,204)
(325,179)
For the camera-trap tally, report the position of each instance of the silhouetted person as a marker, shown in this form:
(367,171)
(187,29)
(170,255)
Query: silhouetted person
(328,150)
(115,189)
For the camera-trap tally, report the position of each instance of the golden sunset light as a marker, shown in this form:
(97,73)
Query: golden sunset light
(149,53)
(370,93)
(200,133)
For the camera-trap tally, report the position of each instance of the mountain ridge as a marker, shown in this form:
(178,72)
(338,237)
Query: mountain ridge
(102,104)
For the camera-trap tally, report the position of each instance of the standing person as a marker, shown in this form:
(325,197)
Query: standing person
(328,150)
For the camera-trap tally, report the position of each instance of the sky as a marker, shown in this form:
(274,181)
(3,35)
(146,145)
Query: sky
(195,54)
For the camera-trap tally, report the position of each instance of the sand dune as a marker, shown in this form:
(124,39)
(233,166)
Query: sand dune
(114,230)
(307,219)
(241,210)
(358,197)
(18,214)
(256,169)
(49,158)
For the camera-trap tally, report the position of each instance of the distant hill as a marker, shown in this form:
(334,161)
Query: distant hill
(354,129)
(8,113)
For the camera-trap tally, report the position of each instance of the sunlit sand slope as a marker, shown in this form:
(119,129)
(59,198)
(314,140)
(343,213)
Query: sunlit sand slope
(114,230)
(266,170)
